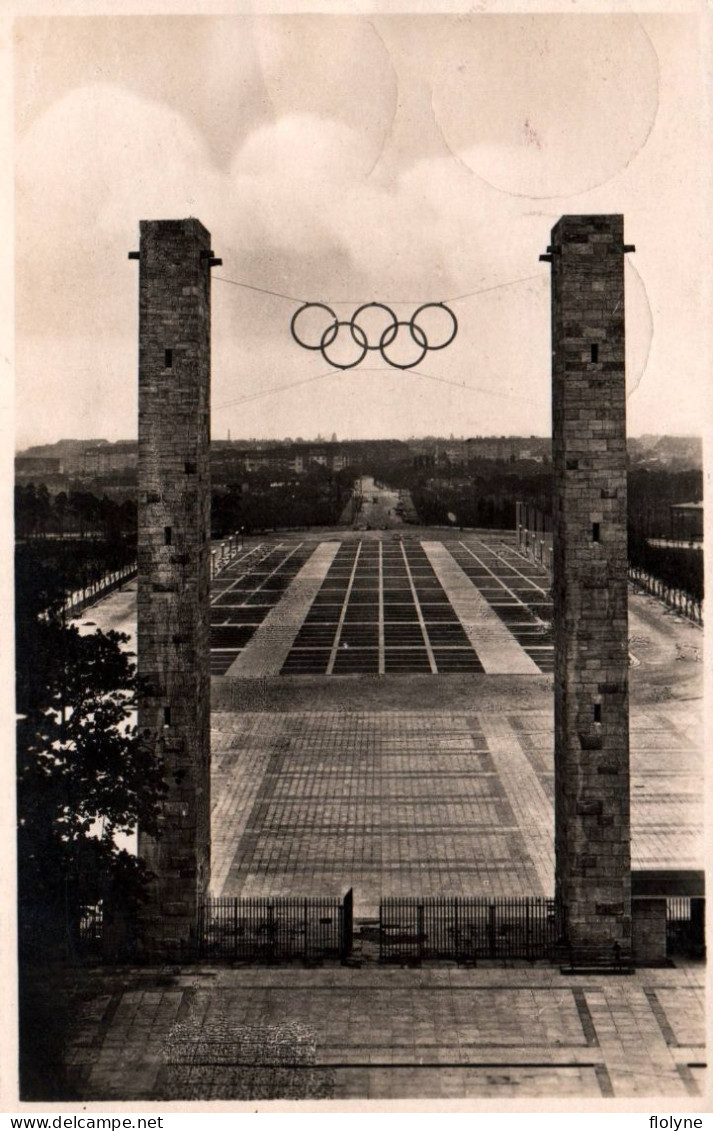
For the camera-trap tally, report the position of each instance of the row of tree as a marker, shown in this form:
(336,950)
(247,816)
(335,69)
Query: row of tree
(73,514)
(48,565)
(83,776)
(651,493)
(321,493)
(84,783)
(317,498)
(679,570)
(483,495)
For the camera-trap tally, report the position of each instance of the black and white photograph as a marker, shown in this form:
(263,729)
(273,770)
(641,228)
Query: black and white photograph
(361,365)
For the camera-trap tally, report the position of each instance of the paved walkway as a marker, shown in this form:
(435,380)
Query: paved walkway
(531,806)
(382,610)
(397,803)
(246,592)
(386,1033)
(408,784)
(267,650)
(497,649)
(115,613)
(518,591)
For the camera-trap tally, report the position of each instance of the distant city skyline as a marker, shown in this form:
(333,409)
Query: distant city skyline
(332,439)
(425,159)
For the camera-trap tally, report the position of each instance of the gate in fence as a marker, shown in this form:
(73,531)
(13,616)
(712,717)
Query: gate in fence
(468,928)
(275,929)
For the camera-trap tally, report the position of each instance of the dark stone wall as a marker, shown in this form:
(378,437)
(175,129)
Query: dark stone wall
(649,931)
(173,570)
(592,828)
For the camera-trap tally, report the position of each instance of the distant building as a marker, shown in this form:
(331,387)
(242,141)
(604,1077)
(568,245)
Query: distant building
(70,453)
(508,448)
(106,458)
(455,452)
(228,465)
(677,452)
(296,463)
(36,467)
(488,447)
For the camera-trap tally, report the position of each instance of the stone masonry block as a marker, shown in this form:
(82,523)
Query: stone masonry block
(590,584)
(173,578)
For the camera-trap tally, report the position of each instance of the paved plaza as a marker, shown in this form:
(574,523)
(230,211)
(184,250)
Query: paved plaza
(342,759)
(424,802)
(428,780)
(382,721)
(384,1033)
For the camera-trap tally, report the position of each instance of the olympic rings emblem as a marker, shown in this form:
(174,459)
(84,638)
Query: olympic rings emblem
(344,343)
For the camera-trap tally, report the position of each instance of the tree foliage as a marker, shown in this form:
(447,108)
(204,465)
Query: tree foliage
(652,492)
(677,568)
(316,498)
(39,514)
(84,778)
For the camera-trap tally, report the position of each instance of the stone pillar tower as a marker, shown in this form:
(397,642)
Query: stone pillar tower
(173,570)
(592,829)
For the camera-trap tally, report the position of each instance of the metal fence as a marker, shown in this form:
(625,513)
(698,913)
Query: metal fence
(275,929)
(677,599)
(685,927)
(81,599)
(468,928)
(91,929)
(534,540)
(534,534)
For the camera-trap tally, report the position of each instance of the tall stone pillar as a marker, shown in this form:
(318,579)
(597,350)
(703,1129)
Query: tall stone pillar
(173,571)
(592,828)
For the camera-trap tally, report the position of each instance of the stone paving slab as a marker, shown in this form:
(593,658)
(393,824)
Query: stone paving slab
(381,1032)
(403,803)
(420,802)
(531,804)
(419,785)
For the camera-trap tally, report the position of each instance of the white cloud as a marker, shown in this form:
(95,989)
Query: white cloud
(295,210)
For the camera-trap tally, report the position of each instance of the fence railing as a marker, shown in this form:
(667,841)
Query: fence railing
(91,929)
(464,928)
(82,598)
(275,929)
(534,534)
(221,556)
(676,599)
(534,539)
(223,553)
(468,928)
(685,927)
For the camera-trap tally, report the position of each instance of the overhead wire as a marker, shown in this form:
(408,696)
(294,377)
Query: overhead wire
(251,287)
(275,389)
(496,287)
(474,388)
(395,302)
(258,395)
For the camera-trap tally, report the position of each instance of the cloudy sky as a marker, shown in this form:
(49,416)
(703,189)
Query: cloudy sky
(347,159)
